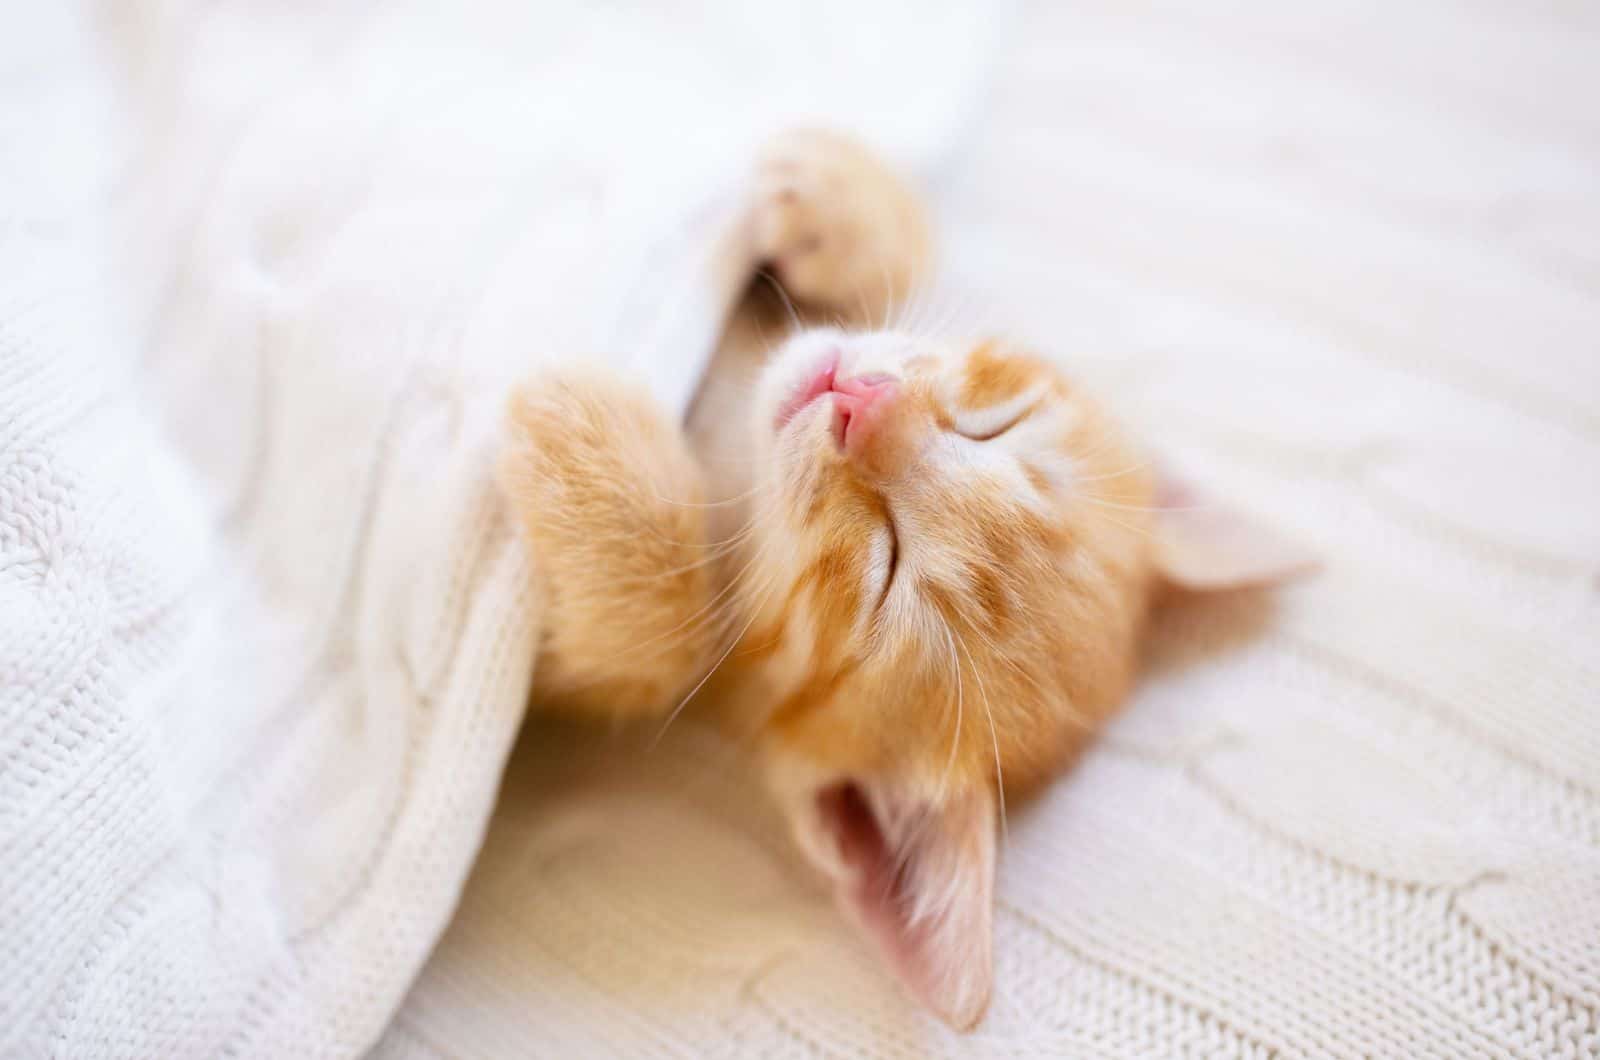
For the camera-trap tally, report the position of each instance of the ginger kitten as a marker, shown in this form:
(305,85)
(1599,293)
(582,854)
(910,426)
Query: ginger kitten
(911,570)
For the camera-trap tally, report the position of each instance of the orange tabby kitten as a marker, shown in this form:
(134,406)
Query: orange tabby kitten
(912,569)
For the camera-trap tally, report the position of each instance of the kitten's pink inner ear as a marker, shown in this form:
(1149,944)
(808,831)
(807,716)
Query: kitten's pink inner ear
(919,880)
(1204,545)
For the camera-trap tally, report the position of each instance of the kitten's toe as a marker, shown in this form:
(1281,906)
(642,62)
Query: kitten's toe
(794,221)
(791,246)
(835,226)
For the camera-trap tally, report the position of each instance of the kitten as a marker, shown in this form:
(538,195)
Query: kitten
(912,570)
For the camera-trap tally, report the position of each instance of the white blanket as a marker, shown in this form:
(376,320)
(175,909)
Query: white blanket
(1340,258)
(266,274)
(266,269)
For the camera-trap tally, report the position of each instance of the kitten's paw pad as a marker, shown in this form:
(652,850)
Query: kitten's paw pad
(834,225)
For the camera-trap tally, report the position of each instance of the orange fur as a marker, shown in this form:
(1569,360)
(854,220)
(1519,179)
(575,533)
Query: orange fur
(895,715)
(608,494)
(1032,607)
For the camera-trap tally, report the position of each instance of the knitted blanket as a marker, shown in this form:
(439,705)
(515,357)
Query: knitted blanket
(1340,260)
(267,273)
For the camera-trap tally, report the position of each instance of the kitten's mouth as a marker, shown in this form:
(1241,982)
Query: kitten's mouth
(814,384)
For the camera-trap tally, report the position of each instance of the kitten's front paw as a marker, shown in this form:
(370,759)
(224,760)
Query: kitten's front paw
(836,227)
(609,501)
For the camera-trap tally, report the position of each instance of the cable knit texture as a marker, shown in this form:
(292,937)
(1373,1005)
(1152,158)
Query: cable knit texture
(267,273)
(1342,261)
(264,636)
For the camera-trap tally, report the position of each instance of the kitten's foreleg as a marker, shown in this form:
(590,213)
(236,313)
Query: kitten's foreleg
(611,502)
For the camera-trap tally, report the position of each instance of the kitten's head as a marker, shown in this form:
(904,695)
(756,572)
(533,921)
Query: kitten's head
(952,554)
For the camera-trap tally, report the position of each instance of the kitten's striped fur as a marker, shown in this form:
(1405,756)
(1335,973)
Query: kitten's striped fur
(910,626)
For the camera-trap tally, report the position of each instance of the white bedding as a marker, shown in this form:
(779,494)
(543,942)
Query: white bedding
(267,269)
(267,273)
(1340,259)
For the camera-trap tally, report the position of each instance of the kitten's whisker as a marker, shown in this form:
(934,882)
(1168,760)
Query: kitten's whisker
(755,613)
(728,458)
(767,344)
(955,738)
(1099,447)
(952,307)
(665,641)
(763,646)
(707,610)
(708,614)
(788,304)
(861,304)
(746,495)
(1141,531)
(994,741)
(1043,696)
(889,300)
(740,576)
(910,308)
(1113,475)
(1142,507)
(648,527)
(717,551)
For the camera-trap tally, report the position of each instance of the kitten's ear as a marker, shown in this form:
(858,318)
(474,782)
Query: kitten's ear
(919,880)
(1204,545)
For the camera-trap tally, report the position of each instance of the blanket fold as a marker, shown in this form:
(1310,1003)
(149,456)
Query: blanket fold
(266,276)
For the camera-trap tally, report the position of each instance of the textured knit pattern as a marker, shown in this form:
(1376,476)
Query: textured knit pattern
(267,273)
(1342,260)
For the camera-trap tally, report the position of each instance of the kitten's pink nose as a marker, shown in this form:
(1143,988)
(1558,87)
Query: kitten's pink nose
(860,406)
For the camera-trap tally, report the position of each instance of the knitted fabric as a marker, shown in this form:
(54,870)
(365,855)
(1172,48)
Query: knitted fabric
(1339,261)
(267,273)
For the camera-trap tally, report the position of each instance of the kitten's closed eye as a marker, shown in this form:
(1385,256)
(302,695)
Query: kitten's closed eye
(984,430)
(987,424)
(891,563)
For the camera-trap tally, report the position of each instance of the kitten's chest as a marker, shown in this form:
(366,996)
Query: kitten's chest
(718,424)
(772,655)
